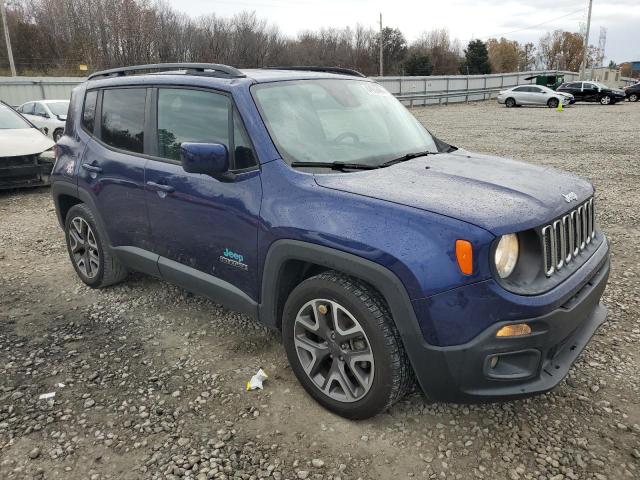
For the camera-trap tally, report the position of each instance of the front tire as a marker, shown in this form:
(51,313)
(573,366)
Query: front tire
(510,102)
(553,103)
(90,255)
(605,100)
(343,346)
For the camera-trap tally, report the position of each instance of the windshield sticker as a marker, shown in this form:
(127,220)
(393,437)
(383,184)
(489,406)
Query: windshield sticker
(375,89)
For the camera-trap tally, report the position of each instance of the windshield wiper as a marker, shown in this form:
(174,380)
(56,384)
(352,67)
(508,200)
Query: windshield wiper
(340,166)
(404,158)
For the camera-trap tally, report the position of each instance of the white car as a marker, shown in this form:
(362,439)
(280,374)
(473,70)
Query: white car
(533,95)
(26,155)
(48,115)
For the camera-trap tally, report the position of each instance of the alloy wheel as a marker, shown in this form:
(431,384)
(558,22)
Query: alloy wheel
(84,248)
(606,100)
(633,97)
(334,350)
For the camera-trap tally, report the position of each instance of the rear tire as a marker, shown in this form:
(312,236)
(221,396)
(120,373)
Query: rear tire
(510,102)
(633,97)
(90,255)
(553,103)
(343,346)
(605,100)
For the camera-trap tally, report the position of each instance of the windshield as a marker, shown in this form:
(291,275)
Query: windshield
(348,121)
(58,108)
(10,119)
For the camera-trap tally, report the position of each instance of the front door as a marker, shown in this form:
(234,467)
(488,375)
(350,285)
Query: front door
(590,92)
(205,230)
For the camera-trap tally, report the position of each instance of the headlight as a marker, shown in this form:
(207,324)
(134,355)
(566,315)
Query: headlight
(506,255)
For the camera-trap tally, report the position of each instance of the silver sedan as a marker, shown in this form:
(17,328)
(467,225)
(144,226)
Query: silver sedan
(533,95)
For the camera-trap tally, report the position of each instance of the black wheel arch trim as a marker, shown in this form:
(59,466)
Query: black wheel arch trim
(378,276)
(62,187)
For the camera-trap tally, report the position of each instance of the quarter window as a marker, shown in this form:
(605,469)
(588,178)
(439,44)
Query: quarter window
(27,109)
(190,116)
(243,151)
(123,118)
(89,111)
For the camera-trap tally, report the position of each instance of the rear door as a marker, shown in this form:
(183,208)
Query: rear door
(27,111)
(204,230)
(537,96)
(589,92)
(521,94)
(112,169)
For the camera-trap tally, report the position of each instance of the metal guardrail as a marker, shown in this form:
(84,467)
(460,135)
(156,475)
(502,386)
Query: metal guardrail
(459,88)
(485,93)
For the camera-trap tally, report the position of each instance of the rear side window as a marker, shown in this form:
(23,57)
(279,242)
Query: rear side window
(123,118)
(39,110)
(89,111)
(27,109)
(190,116)
(520,89)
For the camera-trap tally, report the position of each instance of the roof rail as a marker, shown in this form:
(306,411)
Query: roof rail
(212,69)
(338,70)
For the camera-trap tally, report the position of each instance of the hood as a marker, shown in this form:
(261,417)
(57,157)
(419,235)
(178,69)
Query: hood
(498,194)
(23,141)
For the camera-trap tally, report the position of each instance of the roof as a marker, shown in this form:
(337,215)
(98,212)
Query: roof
(263,75)
(216,77)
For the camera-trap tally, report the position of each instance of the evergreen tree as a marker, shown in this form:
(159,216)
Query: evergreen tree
(476,59)
(418,64)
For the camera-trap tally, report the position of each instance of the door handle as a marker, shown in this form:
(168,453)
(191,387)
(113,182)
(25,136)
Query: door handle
(92,168)
(160,187)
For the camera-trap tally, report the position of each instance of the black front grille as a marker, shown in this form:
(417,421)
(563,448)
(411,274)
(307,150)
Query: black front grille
(19,161)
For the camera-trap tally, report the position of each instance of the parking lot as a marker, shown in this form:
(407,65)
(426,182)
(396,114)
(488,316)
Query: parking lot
(149,379)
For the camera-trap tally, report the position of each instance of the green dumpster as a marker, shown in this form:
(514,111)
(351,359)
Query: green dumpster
(551,81)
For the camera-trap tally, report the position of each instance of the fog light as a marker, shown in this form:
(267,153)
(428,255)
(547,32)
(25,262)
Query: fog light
(493,361)
(517,330)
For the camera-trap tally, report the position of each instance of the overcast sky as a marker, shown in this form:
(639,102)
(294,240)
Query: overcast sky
(518,20)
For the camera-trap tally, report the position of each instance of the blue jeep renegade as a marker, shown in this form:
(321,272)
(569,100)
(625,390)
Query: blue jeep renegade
(312,200)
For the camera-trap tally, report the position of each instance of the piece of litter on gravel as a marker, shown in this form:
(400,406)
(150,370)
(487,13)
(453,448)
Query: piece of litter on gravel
(256,380)
(46,396)
(59,385)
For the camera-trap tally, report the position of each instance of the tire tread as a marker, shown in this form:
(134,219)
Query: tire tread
(402,376)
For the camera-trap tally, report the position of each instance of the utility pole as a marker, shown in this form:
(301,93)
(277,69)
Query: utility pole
(381,46)
(583,65)
(5,27)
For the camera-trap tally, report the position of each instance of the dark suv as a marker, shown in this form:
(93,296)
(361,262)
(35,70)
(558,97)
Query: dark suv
(632,92)
(315,202)
(592,92)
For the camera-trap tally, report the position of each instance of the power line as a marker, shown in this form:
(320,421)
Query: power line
(533,26)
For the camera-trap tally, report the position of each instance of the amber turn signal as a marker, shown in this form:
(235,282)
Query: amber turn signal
(464,254)
(517,330)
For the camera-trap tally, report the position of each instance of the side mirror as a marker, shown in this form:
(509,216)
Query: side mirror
(206,158)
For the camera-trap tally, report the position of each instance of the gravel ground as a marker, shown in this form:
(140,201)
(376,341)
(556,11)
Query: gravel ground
(153,376)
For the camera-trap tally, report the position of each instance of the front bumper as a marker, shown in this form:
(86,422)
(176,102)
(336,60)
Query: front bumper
(526,365)
(27,171)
